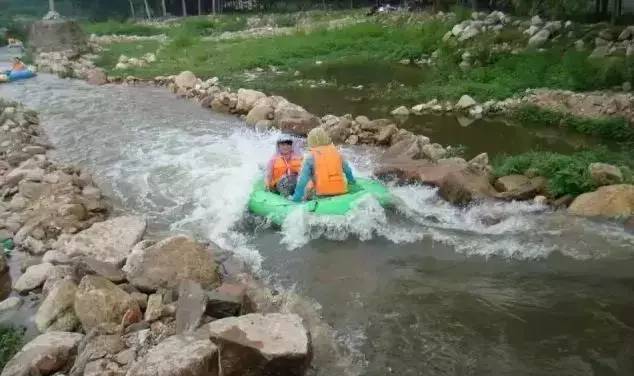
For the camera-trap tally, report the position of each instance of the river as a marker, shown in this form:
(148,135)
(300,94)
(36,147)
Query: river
(422,289)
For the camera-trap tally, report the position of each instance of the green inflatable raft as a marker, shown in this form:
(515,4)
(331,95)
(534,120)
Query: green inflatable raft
(276,208)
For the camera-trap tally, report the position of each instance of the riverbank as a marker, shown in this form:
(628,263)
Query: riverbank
(99,284)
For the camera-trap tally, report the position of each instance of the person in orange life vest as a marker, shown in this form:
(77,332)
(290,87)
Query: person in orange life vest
(324,171)
(17,65)
(283,168)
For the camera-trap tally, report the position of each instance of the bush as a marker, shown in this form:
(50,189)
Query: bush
(10,343)
(567,174)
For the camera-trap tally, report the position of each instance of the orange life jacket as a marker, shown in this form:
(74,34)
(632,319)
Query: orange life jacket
(328,179)
(282,167)
(16,67)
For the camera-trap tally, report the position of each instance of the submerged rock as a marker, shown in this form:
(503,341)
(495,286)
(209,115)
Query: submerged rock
(256,344)
(44,355)
(179,356)
(611,201)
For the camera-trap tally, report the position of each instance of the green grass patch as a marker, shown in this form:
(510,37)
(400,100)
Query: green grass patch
(120,28)
(617,129)
(110,56)
(566,174)
(10,343)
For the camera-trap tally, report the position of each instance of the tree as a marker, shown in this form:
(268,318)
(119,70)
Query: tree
(132,9)
(184,3)
(51,5)
(147,9)
(163,8)
(200,11)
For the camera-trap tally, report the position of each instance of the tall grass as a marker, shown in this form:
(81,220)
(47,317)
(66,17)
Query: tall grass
(120,28)
(10,343)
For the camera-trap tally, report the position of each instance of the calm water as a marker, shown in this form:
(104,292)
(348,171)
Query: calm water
(423,289)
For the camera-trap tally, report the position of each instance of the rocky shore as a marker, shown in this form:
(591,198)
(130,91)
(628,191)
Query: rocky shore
(111,301)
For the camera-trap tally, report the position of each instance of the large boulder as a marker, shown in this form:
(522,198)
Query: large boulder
(110,241)
(406,146)
(56,311)
(611,201)
(33,277)
(520,187)
(185,80)
(179,356)
(457,183)
(260,112)
(247,99)
(257,344)
(539,38)
(293,119)
(57,35)
(465,102)
(99,301)
(44,355)
(166,263)
(605,174)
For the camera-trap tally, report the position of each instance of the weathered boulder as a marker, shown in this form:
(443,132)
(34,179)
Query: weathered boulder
(110,241)
(611,201)
(465,102)
(605,174)
(99,301)
(179,356)
(191,305)
(539,38)
(406,147)
(520,187)
(33,277)
(256,344)
(457,183)
(166,263)
(10,304)
(154,308)
(385,135)
(400,111)
(434,151)
(226,301)
(186,80)
(96,76)
(56,311)
(247,99)
(57,35)
(44,355)
(89,265)
(261,111)
(291,118)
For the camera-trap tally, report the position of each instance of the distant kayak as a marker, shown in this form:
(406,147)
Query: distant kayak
(19,75)
(276,208)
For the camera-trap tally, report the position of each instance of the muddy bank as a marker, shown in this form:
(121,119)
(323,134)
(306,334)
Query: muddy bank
(107,297)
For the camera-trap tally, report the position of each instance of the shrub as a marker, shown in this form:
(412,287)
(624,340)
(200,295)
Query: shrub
(10,343)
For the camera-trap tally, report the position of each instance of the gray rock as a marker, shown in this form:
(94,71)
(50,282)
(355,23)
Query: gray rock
(44,355)
(226,301)
(154,308)
(465,103)
(169,261)
(191,305)
(57,304)
(539,38)
(57,35)
(247,100)
(291,118)
(34,277)
(99,301)
(89,265)
(109,241)
(10,304)
(600,52)
(400,111)
(179,356)
(434,151)
(56,257)
(256,344)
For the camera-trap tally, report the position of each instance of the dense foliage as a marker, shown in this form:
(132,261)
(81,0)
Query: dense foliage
(10,343)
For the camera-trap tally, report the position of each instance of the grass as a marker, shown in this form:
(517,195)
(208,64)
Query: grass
(566,174)
(120,28)
(615,128)
(110,56)
(10,343)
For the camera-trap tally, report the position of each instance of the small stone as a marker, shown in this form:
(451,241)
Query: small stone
(465,102)
(10,304)
(56,258)
(540,200)
(400,111)
(226,301)
(140,298)
(154,308)
(191,305)
(34,277)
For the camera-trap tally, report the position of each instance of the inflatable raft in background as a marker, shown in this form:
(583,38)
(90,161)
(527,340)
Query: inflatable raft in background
(276,208)
(15,76)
